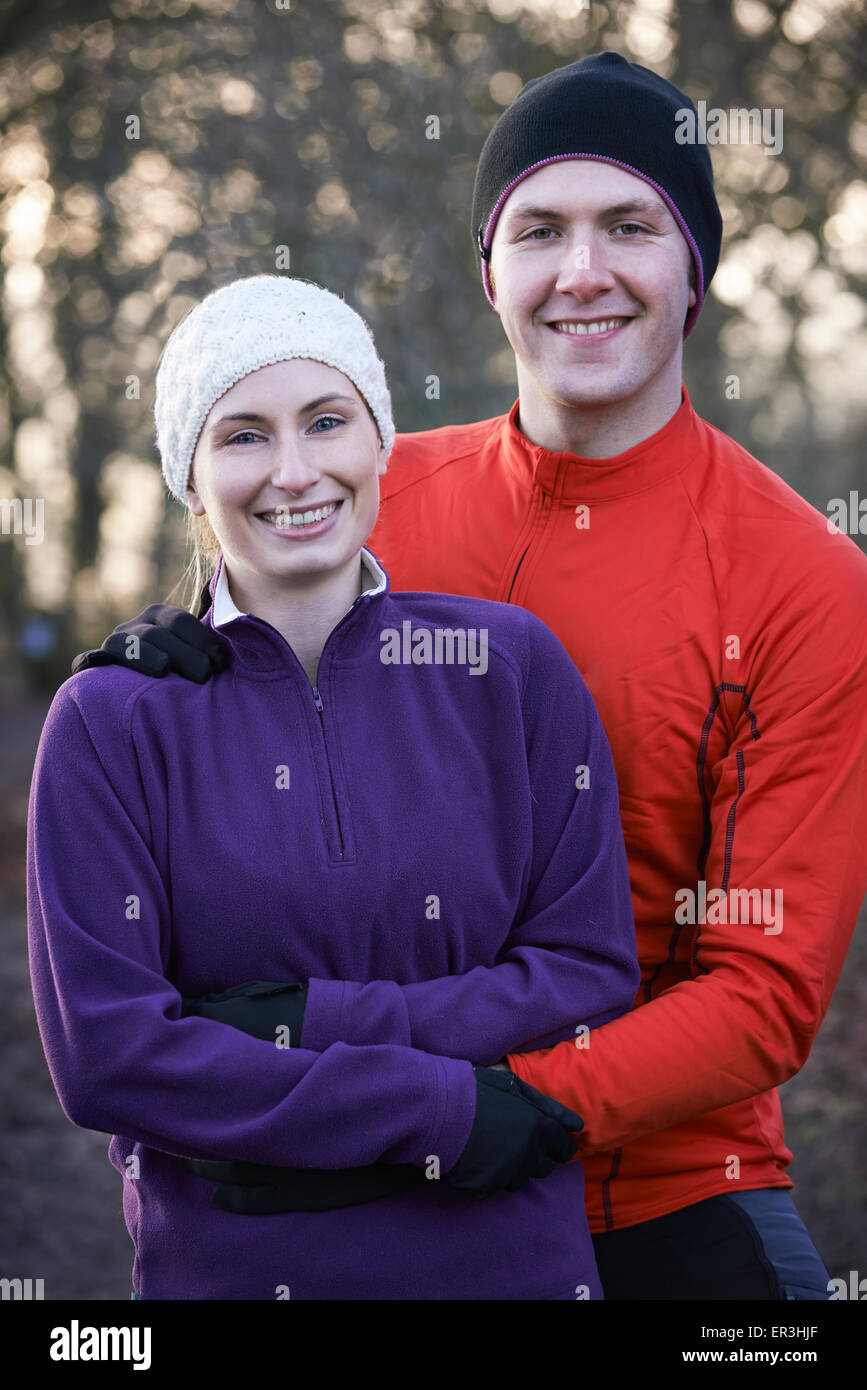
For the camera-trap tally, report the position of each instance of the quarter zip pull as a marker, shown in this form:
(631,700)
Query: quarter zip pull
(320,707)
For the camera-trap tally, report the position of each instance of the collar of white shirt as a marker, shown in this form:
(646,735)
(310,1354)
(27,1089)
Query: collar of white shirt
(224,609)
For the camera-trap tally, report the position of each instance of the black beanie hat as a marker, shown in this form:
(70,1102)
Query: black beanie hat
(609,109)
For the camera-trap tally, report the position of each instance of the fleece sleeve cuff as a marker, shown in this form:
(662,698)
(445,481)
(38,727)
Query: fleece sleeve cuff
(360,1015)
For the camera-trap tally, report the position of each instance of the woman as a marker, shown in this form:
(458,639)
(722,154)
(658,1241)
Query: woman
(403,804)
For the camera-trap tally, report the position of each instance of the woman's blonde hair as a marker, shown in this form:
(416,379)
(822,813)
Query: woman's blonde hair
(204,553)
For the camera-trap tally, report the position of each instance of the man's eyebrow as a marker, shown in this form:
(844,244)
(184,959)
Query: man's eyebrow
(645,205)
(253,419)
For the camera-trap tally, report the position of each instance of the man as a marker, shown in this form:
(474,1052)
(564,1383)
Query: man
(722,630)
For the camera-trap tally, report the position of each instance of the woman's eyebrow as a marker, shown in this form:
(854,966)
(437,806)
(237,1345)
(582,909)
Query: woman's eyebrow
(252,418)
(245,415)
(330,396)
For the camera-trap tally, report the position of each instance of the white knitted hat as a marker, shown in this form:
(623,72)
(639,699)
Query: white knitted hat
(246,325)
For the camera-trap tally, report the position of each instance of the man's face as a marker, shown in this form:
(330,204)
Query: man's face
(581,242)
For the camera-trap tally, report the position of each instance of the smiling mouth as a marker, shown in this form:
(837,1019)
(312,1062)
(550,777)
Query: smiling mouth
(587,328)
(299,517)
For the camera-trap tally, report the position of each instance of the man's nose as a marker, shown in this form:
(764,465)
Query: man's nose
(582,270)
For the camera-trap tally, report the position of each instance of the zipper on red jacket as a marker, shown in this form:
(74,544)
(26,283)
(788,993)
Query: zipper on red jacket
(515,575)
(318,700)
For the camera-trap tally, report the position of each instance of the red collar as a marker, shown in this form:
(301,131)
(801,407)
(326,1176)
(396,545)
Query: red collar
(570,478)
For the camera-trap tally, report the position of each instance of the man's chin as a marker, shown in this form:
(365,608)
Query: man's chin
(590,394)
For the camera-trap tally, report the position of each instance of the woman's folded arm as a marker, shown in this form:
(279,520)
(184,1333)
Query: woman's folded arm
(122,1058)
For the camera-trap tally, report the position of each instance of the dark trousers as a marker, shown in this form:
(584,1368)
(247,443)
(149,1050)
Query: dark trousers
(748,1245)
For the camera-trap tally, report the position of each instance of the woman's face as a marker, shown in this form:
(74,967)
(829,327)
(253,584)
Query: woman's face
(291,438)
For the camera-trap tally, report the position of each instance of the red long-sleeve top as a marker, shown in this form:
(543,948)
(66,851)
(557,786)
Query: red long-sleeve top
(721,627)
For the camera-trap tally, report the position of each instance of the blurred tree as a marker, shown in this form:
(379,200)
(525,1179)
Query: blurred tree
(166,146)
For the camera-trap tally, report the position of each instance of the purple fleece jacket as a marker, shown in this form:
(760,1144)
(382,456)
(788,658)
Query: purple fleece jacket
(417,842)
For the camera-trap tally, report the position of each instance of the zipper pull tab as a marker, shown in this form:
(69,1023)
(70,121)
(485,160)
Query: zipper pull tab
(318,699)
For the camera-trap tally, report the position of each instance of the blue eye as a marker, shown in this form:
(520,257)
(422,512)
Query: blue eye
(236,438)
(322,420)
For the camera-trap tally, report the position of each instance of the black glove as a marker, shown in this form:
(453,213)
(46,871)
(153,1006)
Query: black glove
(171,639)
(518,1133)
(256,1189)
(259,1007)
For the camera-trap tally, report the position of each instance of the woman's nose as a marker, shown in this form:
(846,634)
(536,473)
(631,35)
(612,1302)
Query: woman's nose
(292,470)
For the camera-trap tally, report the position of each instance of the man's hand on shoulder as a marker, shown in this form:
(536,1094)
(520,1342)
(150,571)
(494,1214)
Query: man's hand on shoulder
(158,640)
